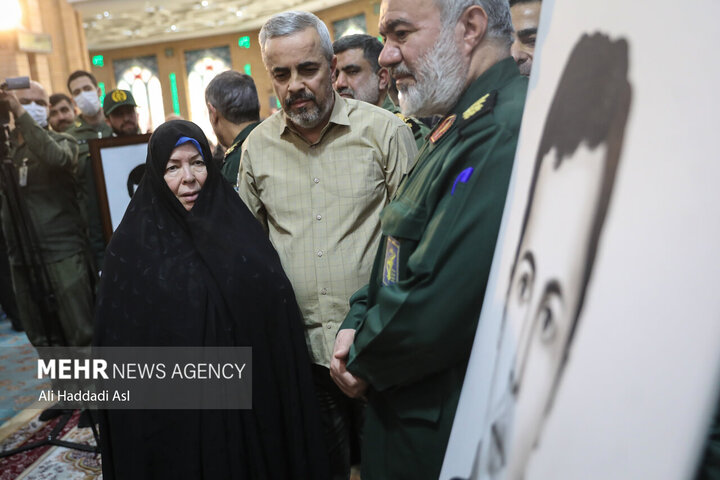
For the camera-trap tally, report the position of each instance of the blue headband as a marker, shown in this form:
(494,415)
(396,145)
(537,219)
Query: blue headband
(183,140)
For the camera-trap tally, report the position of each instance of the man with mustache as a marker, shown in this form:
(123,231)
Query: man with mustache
(316,175)
(406,341)
(120,114)
(358,75)
(62,112)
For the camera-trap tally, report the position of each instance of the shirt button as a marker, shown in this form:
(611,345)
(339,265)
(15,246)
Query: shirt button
(329,327)
(319,217)
(316,180)
(320,253)
(323,291)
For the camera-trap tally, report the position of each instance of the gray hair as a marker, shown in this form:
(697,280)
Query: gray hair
(287,23)
(498,11)
(234,96)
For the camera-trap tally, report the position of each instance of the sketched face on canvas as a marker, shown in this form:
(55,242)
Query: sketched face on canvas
(547,284)
(569,195)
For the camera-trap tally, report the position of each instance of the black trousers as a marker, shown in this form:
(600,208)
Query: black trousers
(342,419)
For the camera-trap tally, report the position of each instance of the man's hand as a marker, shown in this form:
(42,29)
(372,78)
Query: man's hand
(350,385)
(15,106)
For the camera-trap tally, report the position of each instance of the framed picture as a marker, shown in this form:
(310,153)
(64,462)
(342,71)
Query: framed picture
(118,165)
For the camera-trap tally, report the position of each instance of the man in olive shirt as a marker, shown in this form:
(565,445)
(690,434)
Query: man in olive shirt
(234,111)
(88,125)
(46,163)
(407,339)
(316,174)
(358,75)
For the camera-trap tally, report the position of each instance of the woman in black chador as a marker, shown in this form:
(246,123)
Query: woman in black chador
(190,266)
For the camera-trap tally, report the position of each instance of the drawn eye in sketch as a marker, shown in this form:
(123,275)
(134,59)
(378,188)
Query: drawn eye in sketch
(548,317)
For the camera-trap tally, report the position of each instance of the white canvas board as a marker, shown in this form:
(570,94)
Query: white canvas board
(637,389)
(117,163)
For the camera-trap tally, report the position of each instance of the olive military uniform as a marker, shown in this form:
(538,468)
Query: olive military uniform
(415,321)
(419,129)
(231,164)
(49,193)
(83,132)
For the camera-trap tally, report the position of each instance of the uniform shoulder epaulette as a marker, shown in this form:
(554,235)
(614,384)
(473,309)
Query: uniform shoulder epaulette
(482,106)
(410,122)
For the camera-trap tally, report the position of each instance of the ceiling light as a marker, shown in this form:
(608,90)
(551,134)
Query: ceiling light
(239,13)
(106,14)
(204,3)
(173,27)
(11,16)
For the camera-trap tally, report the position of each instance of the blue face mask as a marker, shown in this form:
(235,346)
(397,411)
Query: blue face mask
(38,113)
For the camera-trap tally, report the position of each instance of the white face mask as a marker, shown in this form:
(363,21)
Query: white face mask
(38,113)
(88,103)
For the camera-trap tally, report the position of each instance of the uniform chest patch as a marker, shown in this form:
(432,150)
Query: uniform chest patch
(442,128)
(390,267)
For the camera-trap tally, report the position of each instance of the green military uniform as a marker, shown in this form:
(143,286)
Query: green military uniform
(415,321)
(419,129)
(49,192)
(231,164)
(710,464)
(89,203)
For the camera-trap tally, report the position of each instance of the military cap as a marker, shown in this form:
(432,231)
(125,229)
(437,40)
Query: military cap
(117,98)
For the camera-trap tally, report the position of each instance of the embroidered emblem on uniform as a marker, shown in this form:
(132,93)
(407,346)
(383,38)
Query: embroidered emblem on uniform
(475,107)
(119,96)
(462,178)
(392,256)
(442,128)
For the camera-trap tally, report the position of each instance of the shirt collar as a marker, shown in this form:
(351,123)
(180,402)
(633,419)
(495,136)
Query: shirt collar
(338,116)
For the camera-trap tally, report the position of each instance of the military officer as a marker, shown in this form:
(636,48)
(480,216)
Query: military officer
(234,111)
(406,341)
(45,162)
(358,75)
(88,125)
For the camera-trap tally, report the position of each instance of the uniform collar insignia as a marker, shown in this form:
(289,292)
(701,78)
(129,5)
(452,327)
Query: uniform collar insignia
(442,128)
(483,105)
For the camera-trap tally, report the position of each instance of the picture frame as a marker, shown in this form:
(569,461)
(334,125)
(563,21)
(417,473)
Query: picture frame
(118,165)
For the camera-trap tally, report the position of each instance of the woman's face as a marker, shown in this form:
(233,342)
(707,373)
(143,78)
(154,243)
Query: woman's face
(185,174)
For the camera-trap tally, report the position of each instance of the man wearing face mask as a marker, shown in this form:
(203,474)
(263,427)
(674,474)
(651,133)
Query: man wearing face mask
(88,125)
(45,164)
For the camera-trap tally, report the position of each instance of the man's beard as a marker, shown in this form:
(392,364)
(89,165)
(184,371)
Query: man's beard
(440,77)
(311,114)
(369,92)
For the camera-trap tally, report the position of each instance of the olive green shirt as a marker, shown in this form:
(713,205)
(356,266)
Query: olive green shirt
(231,163)
(320,204)
(415,321)
(419,129)
(89,202)
(50,193)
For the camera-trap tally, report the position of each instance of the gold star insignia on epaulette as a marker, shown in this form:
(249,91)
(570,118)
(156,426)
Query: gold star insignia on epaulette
(77,124)
(409,122)
(475,107)
(230,150)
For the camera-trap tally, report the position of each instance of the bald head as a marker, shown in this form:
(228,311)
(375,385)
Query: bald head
(35,101)
(36,93)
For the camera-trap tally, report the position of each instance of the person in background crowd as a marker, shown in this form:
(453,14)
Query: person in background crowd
(358,75)
(62,112)
(234,111)
(525,18)
(88,125)
(406,341)
(119,107)
(204,274)
(45,164)
(316,175)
